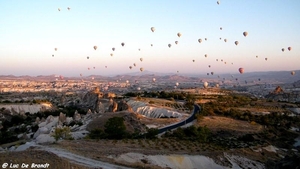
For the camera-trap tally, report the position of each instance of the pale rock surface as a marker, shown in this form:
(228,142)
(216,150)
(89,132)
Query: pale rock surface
(153,112)
(44,139)
(24,108)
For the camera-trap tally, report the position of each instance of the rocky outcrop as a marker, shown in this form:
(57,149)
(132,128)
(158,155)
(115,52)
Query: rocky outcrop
(24,108)
(153,112)
(91,99)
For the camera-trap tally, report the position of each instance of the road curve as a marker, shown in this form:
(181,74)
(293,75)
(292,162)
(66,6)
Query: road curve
(197,109)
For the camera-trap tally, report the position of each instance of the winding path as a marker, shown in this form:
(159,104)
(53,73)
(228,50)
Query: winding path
(197,109)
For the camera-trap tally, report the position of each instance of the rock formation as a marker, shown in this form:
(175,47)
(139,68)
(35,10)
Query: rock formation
(91,99)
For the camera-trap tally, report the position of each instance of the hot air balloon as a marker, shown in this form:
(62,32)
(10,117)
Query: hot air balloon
(289,48)
(225,40)
(292,72)
(130,67)
(220,38)
(52,55)
(111,54)
(199,40)
(176,83)
(241,70)
(169,45)
(208,65)
(55,49)
(245,34)
(221,28)
(141,69)
(224,62)
(176,42)
(178,34)
(256,56)
(134,64)
(217,59)
(87,57)
(122,43)
(127,81)
(205,38)
(217,85)
(193,60)
(236,42)
(138,88)
(58,9)
(113,49)
(152,29)
(205,55)
(105,66)
(207,74)
(95,47)
(88,68)
(266,59)
(69,8)
(205,84)
(153,79)
(94,67)
(218,2)
(151,44)
(141,59)
(282,49)
(212,73)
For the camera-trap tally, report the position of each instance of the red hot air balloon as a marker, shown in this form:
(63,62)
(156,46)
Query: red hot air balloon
(241,70)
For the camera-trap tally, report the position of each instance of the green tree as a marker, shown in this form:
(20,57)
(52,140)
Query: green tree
(115,128)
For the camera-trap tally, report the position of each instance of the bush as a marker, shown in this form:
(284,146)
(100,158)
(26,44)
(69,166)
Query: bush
(62,133)
(115,128)
(97,134)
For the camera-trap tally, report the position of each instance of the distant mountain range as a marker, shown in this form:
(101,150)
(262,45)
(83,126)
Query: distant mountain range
(266,77)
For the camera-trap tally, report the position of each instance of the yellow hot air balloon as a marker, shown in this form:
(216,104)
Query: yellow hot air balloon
(292,72)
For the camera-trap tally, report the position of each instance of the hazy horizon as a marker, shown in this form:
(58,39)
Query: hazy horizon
(31,30)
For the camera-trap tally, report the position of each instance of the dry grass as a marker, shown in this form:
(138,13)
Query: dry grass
(217,123)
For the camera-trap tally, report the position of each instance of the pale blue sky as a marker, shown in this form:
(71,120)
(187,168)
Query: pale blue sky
(30,30)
